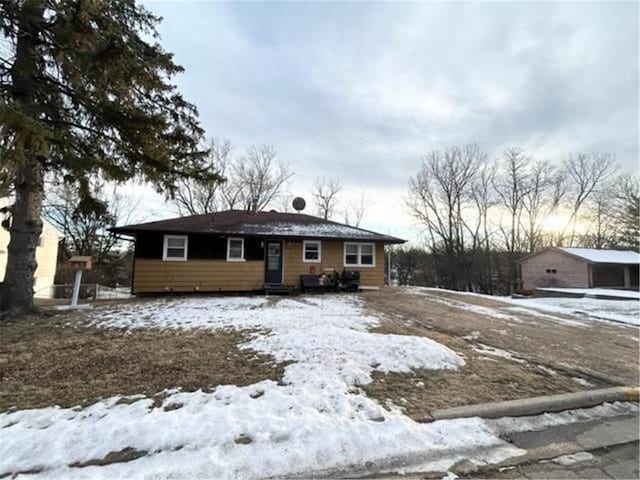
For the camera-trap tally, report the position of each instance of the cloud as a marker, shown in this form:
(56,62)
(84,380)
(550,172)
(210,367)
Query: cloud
(363,90)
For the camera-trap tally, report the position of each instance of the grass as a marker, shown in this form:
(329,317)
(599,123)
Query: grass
(58,360)
(482,379)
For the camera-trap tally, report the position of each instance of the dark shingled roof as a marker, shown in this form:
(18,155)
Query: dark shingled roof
(261,224)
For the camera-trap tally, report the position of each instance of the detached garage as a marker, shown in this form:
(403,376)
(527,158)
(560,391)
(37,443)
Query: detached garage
(580,268)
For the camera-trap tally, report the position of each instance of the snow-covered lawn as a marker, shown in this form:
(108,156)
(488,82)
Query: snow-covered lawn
(625,311)
(579,310)
(595,292)
(317,421)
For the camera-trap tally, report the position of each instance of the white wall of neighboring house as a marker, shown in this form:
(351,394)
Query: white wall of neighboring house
(46,256)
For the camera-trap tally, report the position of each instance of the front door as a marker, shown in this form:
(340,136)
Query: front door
(273,263)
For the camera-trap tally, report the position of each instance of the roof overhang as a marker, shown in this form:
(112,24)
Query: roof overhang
(386,239)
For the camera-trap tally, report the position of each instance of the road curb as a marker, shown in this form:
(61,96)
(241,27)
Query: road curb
(538,405)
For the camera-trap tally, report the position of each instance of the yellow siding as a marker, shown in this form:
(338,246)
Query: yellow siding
(47,253)
(46,256)
(203,275)
(152,275)
(332,257)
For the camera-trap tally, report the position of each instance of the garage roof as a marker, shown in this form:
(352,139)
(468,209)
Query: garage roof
(595,255)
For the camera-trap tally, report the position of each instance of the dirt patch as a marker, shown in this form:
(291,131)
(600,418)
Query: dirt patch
(484,378)
(54,361)
(122,456)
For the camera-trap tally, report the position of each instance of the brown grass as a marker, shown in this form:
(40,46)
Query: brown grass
(482,379)
(56,361)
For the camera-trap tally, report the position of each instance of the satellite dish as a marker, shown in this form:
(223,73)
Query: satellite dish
(299,204)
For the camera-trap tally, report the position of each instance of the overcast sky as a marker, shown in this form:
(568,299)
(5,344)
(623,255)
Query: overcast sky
(364,90)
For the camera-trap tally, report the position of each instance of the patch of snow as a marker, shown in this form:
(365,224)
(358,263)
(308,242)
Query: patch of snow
(462,305)
(594,292)
(317,422)
(582,381)
(475,335)
(308,230)
(624,311)
(548,370)
(578,457)
(545,316)
(586,309)
(497,352)
(507,425)
(450,476)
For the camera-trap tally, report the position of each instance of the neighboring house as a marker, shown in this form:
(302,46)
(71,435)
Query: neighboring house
(46,256)
(237,250)
(580,268)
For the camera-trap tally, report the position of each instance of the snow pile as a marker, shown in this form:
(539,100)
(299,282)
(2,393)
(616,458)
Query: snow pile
(595,292)
(573,458)
(507,425)
(434,295)
(582,310)
(624,311)
(318,422)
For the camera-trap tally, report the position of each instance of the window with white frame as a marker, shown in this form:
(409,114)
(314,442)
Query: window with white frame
(235,249)
(311,251)
(359,255)
(175,247)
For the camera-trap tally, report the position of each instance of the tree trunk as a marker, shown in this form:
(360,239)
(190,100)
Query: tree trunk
(16,296)
(26,228)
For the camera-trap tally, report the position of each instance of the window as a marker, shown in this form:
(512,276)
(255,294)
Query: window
(311,252)
(175,247)
(235,250)
(359,255)
(552,270)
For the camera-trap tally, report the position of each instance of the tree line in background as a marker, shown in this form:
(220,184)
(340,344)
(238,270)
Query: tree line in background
(480,215)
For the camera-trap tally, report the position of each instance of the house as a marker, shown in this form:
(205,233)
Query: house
(236,250)
(580,268)
(46,257)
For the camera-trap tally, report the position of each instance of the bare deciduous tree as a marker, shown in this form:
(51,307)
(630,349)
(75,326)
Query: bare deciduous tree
(585,171)
(193,196)
(481,217)
(485,199)
(252,182)
(257,179)
(408,261)
(628,211)
(84,224)
(325,193)
(354,211)
(512,185)
(546,189)
(439,195)
(600,220)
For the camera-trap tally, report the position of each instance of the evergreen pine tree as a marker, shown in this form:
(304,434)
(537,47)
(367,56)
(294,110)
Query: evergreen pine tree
(85,90)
